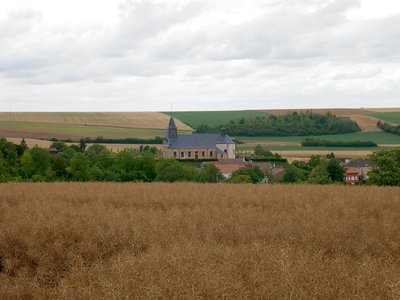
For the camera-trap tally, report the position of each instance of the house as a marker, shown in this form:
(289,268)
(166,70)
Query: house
(352,176)
(197,146)
(361,165)
(228,166)
(227,169)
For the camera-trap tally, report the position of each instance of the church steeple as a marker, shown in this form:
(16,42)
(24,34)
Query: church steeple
(172,131)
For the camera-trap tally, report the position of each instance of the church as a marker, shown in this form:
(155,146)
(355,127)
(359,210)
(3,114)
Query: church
(197,146)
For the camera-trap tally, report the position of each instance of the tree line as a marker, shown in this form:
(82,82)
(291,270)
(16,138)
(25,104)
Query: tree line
(290,124)
(385,126)
(325,143)
(18,163)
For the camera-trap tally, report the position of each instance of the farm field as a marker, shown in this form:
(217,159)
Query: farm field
(46,144)
(212,118)
(74,132)
(363,117)
(137,120)
(393,117)
(379,137)
(147,241)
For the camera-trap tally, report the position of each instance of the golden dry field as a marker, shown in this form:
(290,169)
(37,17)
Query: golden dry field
(198,241)
(139,120)
(46,144)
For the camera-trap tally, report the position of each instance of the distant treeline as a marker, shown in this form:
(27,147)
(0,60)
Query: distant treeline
(324,143)
(291,124)
(101,140)
(389,128)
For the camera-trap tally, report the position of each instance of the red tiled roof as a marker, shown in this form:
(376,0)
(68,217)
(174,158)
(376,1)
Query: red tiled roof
(352,171)
(226,168)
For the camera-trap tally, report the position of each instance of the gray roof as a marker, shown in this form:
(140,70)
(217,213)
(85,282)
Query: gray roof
(206,140)
(359,163)
(171,123)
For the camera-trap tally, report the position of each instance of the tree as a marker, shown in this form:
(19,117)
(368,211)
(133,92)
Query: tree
(82,145)
(28,166)
(60,146)
(59,165)
(22,147)
(320,174)
(100,156)
(255,173)
(241,179)
(386,170)
(171,170)
(209,173)
(4,176)
(41,160)
(335,170)
(79,168)
(293,175)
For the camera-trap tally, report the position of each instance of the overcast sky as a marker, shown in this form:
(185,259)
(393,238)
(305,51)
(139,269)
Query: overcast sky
(138,55)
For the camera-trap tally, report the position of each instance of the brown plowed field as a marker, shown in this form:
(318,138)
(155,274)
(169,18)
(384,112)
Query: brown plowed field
(139,120)
(34,134)
(198,241)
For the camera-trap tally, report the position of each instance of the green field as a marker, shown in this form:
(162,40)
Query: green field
(333,149)
(379,137)
(393,117)
(213,118)
(78,130)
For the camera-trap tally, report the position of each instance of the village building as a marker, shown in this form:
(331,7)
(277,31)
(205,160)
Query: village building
(357,170)
(197,146)
(351,176)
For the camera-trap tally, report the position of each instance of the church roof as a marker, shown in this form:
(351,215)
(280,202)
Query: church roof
(206,140)
(171,123)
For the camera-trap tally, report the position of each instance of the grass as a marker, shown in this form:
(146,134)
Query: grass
(289,148)
(138,120)
(213,118)
(80,131)
(378,137)
(179,241)
(393,117)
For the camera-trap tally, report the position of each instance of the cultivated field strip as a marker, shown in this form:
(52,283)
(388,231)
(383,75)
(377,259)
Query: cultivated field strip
(139,120)
(198,241)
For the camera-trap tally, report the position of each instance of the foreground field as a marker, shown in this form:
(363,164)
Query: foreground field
(146,241)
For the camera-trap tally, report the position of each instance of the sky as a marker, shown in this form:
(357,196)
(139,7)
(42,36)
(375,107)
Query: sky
(151,55)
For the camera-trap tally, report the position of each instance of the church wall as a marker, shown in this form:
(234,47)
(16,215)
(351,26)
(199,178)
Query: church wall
(169,153)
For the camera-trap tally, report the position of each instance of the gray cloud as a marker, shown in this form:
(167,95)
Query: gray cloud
(202,55)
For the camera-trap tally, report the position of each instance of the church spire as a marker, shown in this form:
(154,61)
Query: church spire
(172,131)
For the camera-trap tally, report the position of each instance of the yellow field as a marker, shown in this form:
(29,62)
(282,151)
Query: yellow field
(139,120)
(393,109)
(46,144)
(198,241)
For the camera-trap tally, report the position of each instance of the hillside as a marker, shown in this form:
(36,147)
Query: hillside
(76,125)
(137,120)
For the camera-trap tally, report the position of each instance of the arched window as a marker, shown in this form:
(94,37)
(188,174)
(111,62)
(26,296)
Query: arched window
(211,154)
